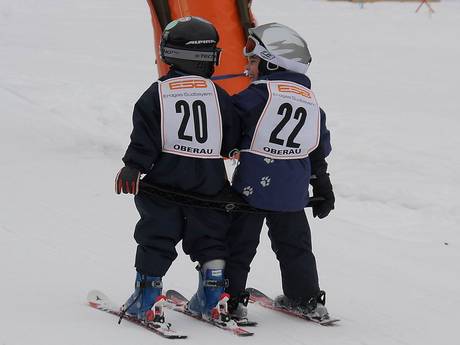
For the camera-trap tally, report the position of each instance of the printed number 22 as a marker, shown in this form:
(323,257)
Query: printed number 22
(286,110)
(199,120)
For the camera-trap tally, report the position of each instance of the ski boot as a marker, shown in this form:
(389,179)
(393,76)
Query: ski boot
(313,309)
(238,309)
(210,300)
(146,303)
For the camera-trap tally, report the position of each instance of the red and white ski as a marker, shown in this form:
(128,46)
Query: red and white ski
(259,298)
(178,302)
(98,300)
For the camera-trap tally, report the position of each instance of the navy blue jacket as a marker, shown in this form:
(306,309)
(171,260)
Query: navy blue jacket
(277,185)
(205,176)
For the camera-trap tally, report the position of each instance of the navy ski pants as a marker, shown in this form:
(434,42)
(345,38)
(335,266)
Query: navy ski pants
(290,237)
(163,224)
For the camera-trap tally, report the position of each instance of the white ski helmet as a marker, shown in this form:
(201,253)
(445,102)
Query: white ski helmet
(278,45)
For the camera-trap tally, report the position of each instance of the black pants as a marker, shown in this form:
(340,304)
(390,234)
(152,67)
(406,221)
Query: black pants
(163,224)
(291,241)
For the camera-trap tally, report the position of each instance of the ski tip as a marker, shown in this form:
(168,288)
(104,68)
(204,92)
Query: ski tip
(330,322)
(170,294)
(255,294)
(98,299)
(95,296)
(244,334)
(254,291)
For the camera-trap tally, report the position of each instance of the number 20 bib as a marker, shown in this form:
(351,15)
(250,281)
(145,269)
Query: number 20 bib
(289,127)
(190,117)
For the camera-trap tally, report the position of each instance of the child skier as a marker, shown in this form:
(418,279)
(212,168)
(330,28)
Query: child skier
(182,125)
(283,149)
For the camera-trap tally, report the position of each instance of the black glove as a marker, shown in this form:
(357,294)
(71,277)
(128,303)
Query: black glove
(127,181)
(322,187)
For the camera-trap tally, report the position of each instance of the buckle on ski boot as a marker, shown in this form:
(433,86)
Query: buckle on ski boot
(156,314)
(220,311)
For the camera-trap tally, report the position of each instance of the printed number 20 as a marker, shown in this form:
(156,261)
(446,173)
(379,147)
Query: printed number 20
(286,110)
(199,120)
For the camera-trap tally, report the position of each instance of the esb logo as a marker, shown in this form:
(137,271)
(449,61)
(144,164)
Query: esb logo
(188,84)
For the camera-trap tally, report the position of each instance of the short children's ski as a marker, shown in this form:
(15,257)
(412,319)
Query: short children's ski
(178,303)
(263,300)
(98,300)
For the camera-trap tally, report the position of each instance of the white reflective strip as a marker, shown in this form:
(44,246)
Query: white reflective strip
(189,54)
(116,182)
(137,184)
(288,64)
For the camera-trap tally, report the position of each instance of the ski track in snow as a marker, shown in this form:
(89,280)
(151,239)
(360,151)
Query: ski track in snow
(70,73)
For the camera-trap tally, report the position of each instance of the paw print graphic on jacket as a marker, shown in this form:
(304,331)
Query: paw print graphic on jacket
(265,181)
(248,190)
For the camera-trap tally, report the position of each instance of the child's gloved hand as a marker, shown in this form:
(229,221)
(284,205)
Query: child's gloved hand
(127,181)
(322,187)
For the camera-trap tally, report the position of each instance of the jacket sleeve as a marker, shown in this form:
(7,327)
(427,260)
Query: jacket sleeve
(231,125)
(318,155)
(248,105)
(145,145)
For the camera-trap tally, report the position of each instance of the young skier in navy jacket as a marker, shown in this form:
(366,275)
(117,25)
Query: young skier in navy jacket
(182,126)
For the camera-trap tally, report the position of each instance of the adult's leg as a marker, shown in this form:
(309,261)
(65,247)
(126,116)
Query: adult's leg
(242,240)
(157,233)
(291,241)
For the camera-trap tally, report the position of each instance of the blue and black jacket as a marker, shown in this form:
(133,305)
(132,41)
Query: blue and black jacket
(276,185)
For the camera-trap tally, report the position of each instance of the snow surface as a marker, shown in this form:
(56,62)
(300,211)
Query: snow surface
(388,256)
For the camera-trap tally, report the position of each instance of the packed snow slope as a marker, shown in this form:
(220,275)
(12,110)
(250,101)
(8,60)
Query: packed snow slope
(388,256)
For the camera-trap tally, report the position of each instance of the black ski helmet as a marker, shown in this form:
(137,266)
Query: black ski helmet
(189,44)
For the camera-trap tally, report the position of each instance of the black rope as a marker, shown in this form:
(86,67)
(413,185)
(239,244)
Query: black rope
(226,201)
(228,76)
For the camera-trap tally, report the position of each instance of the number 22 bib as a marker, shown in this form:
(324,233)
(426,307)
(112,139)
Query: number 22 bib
(289,127)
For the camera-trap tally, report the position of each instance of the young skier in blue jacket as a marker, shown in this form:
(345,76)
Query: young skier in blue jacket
(284,145)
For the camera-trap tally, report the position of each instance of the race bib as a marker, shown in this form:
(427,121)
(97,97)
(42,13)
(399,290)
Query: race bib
(289,127)
(191,123)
